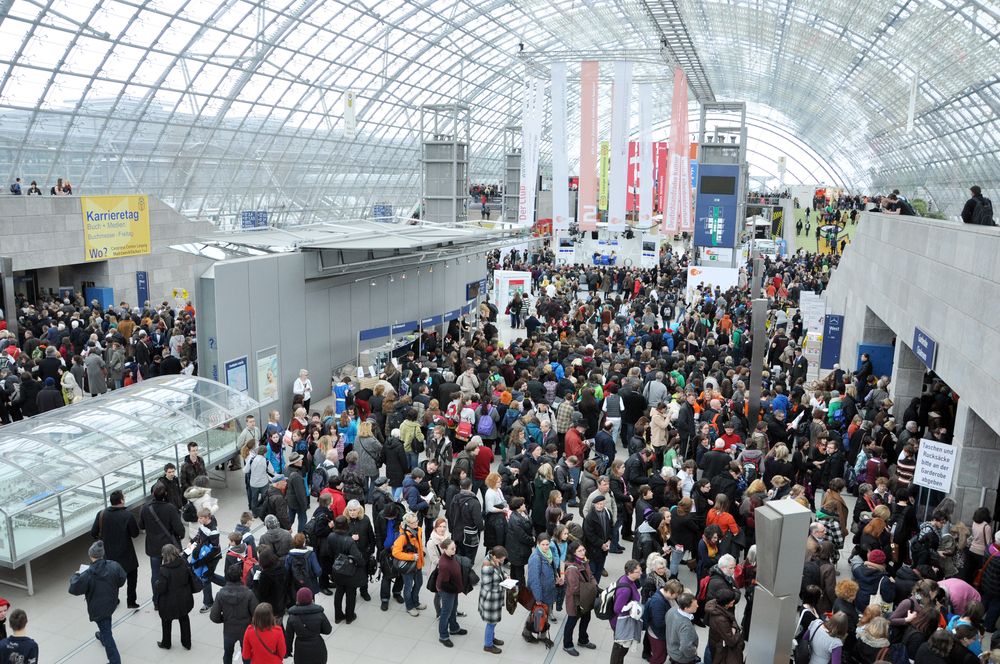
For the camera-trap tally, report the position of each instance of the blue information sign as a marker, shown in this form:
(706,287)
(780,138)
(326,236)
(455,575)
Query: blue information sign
(833,332)
(253,219)
(925,347)
(715,223)
(142,287)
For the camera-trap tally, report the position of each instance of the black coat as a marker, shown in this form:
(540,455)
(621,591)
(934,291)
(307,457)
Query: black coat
(306,626)
(169,529)
(175,589)
(174,494)
(395,461)
(339,543)
(519,539)
(117,527)
(233,608)
(48,399)
(366,535)
(272,587)
(714,462)
(99,583)
(597,528)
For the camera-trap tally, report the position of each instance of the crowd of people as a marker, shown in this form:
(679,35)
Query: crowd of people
(617,422)
(62,187)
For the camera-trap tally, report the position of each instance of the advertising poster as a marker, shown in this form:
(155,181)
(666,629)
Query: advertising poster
(602,195)
(514,286)
(532,109)
(267,375)
(236,375)
(115,226)
(723,277)
(560,158)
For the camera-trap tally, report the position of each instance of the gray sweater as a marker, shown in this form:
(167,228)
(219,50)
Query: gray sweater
(682,639)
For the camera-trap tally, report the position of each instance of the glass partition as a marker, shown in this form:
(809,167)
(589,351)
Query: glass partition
(38,523)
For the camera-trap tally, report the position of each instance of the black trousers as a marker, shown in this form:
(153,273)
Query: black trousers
(132,580)
(344,601)
(166,628)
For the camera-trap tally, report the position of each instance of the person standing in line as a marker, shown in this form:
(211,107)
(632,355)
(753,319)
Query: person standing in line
(492,596)
(193,466)
(99,583)
(117,528)
(597,534)
(303,387)
(264,640)
(234,608)
(681,636)
(175,588)
(258,480)
(541,581)
(307,623)
(172,486)
(581,591)
(626,593)
(449,586)
(163,525)
(18,648)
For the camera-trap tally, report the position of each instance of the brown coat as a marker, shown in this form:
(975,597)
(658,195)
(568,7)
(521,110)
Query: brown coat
(727,644)
(834,505)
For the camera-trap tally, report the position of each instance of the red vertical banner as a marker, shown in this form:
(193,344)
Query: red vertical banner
(660,161)
(632,191)
(677,213)
(587,200)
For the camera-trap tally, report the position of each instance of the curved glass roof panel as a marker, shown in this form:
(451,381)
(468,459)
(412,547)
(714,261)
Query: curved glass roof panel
(77,444)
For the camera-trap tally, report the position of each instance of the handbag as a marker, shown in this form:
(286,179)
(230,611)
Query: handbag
(586,596)
(344,565)
(525,597)
(876,599)
(403,567)
(432,580)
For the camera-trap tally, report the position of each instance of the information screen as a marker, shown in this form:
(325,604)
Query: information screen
(716,184)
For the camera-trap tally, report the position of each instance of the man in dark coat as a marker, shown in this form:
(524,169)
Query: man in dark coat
(29,392)
(192,467)
(233,608)
(162,522)
(715,460)
(969,209)
(465,512)
(597,529)
(685,426)
(50,397)
(117,528)
(297,496)
(99,583)
(274,502)
(171,485)
(800,367)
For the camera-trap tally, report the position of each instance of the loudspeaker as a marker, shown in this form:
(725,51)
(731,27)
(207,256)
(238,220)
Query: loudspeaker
(593,235)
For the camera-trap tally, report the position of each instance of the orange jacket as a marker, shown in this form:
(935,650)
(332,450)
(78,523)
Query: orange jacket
(724,520)
(405,537)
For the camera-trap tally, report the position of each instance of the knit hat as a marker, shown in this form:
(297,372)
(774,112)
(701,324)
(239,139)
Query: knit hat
(271,522)
(304,596)
(877,557)
(381,481)
(96,550)
(50,382)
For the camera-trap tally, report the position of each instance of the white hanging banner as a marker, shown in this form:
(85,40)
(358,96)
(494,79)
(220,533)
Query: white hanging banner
(531,129)
(560,167)
(618,176)
(350,119)
(645,154)
(912,110)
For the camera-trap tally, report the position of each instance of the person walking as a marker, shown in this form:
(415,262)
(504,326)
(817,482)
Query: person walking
(449,585)
(581,592)
(264,640)
(163,526)
(306,625)
(175,588)
(233,608)
(978,209)
(99,583)
(116,527)
(492,597)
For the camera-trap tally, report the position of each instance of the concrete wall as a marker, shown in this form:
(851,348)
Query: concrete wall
(255,303)
(46,232)
(943,277)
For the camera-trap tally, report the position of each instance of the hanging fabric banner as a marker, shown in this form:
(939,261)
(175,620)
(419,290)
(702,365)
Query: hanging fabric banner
(532,105)
(587,199)
(677,216)
(911,111)
(602,196)
(620,116)
(560,168)
(645,154)
(660,153)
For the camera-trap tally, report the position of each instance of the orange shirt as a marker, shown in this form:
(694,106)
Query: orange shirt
(724,520)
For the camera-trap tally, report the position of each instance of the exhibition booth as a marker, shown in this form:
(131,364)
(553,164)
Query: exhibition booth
(508,282)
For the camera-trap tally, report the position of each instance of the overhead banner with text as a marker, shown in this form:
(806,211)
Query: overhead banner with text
(645,154)
(677,216)
(115,227)
(602,196)
(560,167)
(587,198)
(620,116)
(531,132)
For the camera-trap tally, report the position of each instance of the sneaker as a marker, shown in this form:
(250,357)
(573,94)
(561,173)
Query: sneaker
(414,613)
(421,607)
(572,652)
(205,609)
(492,649)
(588,645)
(460,632)
(447,643)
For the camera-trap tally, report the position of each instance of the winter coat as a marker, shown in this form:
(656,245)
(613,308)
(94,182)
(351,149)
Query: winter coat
(304,631)
(99,583)
(411,495)
(233,608)
(368,450)
(990,587)
(577,574)
(296,493)
(175,589)
(174,494)
(171,531)
(519,539)
(49,398)
(96,382)
(340,543)
(727,646)
(597,529)
(540,501)
(366,535)
(275,503)
(117,527)
(395,461)
(258,645)
(871,580)
(588,485)
(278,539)
(541,578)
(272,587)
(492,597)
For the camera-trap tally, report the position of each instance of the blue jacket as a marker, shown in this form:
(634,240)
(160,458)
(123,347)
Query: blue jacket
(99,583)
(411,493)
(656,615)
(542,578)
(558,370)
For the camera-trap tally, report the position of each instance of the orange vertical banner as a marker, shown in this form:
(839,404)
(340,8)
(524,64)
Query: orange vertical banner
(587,217)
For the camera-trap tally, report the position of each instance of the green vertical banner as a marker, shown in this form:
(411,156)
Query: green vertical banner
(602,195)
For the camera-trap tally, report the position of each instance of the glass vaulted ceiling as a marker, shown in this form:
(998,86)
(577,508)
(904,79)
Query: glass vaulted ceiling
(232,105)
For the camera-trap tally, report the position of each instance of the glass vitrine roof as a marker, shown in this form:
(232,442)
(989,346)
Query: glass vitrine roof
(77,444)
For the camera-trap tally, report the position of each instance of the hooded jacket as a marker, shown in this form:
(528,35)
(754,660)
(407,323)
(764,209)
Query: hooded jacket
(724,634)
(99,583)
(307,623)
(233,609)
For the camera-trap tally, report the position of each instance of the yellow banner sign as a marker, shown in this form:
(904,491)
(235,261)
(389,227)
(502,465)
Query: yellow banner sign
(602,192)
(115,227)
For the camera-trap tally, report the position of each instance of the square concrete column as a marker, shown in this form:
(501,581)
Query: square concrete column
(977,470)
(907,380)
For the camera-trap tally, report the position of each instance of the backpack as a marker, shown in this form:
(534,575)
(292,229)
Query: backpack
(299,568)
(750,473)
(248,566)
(604,607)
(982,213)
(486,427)
(463,431)
(703,588)
(803,647)
(309,530)
(319,479)
(469,577)
(189,513)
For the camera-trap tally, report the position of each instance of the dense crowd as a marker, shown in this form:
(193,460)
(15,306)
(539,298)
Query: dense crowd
(617,422)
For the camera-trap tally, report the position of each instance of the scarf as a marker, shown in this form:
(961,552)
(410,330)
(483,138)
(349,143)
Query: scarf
(545,554)
(713,550)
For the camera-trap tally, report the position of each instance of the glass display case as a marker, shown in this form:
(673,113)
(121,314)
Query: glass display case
(58,469)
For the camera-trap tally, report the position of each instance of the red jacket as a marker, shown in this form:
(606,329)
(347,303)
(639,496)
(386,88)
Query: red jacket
(258,645)
(339,503)
(574,444)
(481,464)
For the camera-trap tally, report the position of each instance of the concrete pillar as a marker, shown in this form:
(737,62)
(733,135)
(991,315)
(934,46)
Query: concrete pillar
(977,465)
(875,329)
(907,380)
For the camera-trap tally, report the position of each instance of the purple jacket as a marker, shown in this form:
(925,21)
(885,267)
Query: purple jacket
(623,595)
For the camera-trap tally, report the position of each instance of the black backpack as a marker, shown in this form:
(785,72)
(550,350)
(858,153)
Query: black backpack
(982,213)
(189,513)
(469,577)
(299,569)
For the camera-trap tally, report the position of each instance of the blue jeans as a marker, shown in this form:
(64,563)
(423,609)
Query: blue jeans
(397,494)
(369,488)
(411,588)
(675,561)
(992,613)
(707,659)
(206,583)
(412,460)
(257,494)
(246,483)
(154,570)
(448,620)
(229,646)
(491,629)
(302,518)
(616,426)
(108,640)
(597,564)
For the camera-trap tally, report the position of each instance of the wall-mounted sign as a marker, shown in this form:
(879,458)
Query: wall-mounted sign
(925,347)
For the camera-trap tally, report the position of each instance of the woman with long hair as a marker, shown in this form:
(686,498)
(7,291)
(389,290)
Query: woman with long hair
(264,640)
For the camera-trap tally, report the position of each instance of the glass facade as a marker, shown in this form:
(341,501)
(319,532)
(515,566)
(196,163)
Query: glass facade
(58,469)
